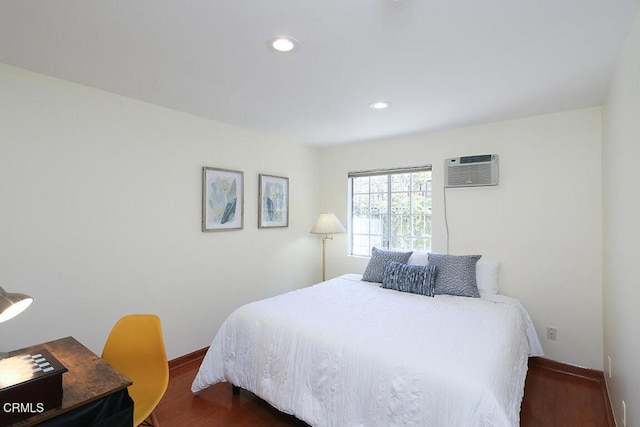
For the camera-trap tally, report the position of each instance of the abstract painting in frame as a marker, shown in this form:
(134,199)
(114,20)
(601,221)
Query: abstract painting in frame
(273,201)
(222,199)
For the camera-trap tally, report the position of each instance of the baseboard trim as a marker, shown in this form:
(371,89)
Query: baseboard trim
(187,358)
(578,371)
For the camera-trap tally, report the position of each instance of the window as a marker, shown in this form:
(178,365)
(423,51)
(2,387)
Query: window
(390,209)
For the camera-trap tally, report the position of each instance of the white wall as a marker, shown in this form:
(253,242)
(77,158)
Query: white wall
(100,215)
(100,210)
(543,222)
(621,200)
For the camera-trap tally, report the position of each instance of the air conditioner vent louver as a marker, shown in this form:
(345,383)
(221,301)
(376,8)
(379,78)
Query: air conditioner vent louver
(476,159)
(471,171)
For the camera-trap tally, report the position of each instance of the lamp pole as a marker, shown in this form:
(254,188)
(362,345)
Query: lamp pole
(324,246)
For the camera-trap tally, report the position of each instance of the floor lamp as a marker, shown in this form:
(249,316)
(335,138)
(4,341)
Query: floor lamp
(327,223)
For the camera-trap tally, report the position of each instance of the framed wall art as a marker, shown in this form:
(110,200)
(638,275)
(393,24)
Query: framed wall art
(273,201)
(222,199)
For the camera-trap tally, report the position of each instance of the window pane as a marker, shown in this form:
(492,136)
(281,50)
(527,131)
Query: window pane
(421,181)
(361,245)
(361,185)
(400,203)
(422,225)
(379,184)
(401,243)
(360,205)
(401,182)
(360,224)
(376,225)
(420,203)
(428,232)
(400,225)
(384,219)
(418,225)
(379,203)
(396,225)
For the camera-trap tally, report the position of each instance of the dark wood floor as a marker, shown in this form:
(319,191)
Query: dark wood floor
(551,399)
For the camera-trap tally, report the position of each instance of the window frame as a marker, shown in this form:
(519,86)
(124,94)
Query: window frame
(387,238)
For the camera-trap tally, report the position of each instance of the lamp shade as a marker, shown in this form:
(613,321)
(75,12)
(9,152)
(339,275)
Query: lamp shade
(12,304)
(327,223)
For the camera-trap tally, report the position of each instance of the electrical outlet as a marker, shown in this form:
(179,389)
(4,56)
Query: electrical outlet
(552,333)
(624,414)
(609,357)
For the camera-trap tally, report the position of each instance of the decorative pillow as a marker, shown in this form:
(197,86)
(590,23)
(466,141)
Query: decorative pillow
(415,279)
(378,261)
(456,274)
(487,277)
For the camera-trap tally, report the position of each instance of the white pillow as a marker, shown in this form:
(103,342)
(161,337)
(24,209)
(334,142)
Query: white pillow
(487,276)
(419,258)
(486,272)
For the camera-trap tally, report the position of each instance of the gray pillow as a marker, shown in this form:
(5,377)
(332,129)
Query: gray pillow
(415,279)
(378,261)
(456,274)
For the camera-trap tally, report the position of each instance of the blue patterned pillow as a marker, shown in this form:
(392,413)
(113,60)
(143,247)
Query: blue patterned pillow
(456,274)
(415,279)
(378,261)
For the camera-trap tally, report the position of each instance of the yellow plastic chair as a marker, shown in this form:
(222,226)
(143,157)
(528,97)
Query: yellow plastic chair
(135,347)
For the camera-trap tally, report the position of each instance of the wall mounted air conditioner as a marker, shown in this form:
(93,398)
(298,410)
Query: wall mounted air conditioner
(471,171)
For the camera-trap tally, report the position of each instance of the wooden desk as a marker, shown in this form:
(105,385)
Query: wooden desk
(88,380)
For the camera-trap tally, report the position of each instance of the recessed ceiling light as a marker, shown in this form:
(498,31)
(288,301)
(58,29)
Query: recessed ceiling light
(283,43)
(379,105)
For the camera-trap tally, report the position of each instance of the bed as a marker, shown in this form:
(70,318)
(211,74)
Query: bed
(347,352)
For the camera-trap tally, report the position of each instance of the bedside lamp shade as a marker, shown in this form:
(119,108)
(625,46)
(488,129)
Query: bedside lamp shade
(12,304)
(327,223)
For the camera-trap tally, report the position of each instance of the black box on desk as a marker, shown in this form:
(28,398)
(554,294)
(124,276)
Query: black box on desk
(29,385)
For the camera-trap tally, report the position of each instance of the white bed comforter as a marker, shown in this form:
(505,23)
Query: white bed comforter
(349,353)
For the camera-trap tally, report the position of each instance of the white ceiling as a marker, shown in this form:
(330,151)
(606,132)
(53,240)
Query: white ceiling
(440,63)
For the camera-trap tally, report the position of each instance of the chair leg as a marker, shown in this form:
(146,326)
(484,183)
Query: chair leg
(153,423)
(154,420)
